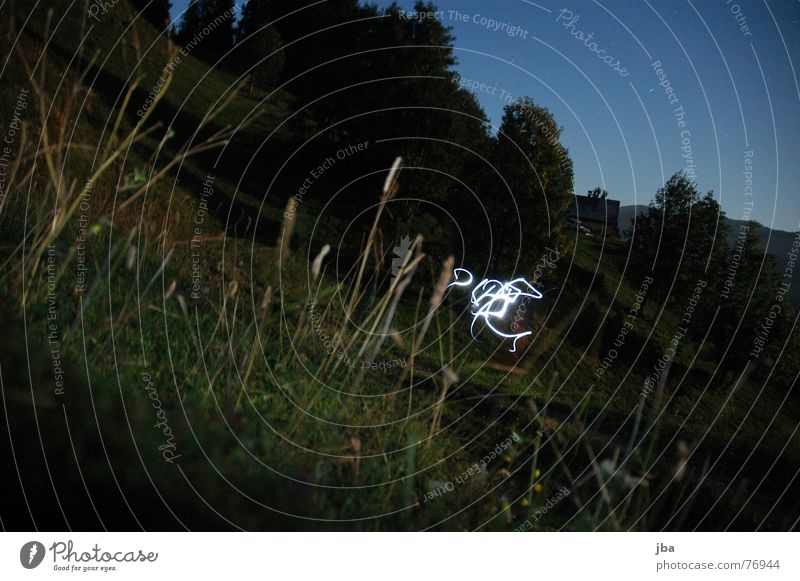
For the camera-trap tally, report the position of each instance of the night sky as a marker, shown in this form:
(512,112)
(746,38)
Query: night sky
(729,65)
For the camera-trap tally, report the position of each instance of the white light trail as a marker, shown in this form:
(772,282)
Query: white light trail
(491,299)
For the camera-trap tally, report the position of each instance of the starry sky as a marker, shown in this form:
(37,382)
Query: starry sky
(645,89)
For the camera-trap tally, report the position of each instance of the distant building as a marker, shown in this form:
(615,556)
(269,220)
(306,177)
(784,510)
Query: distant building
(596,213)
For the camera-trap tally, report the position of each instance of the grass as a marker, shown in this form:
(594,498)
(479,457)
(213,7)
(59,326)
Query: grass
(273,427)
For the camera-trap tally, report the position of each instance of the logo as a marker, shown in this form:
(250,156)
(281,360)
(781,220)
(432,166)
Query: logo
(31,554)
(400,253)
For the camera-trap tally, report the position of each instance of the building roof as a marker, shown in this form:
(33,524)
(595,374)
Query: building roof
(594,209)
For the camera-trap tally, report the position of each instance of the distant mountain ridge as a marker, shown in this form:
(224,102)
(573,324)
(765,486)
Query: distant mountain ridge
(780,242)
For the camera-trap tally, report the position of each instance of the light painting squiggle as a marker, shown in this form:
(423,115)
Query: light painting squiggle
(491,299)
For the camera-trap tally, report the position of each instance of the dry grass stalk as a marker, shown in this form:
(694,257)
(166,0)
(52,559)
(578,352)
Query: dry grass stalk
(376,314)
(403,278)
(436,299)
(266,301)
(316,266)
(449,377)
(54,155)
(289,218)
(400,288)
(602,483)
(170,289)
(437,296)
(389,190)
(316,270)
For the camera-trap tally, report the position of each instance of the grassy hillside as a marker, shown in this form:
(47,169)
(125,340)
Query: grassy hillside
(210,377)
(776,242)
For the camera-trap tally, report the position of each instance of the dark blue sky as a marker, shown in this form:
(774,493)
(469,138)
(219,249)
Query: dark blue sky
(738,88)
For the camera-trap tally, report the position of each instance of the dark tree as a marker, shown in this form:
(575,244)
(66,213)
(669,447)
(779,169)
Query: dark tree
(538,176)
(680,239)
(191,23)
(315,34)
(259,43)
(359,74)
(154,11)
(208,28)
(752,291)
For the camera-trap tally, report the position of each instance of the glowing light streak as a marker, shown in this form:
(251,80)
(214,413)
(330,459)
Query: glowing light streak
(492,298)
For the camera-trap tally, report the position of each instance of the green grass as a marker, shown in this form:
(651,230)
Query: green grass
(260,438)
